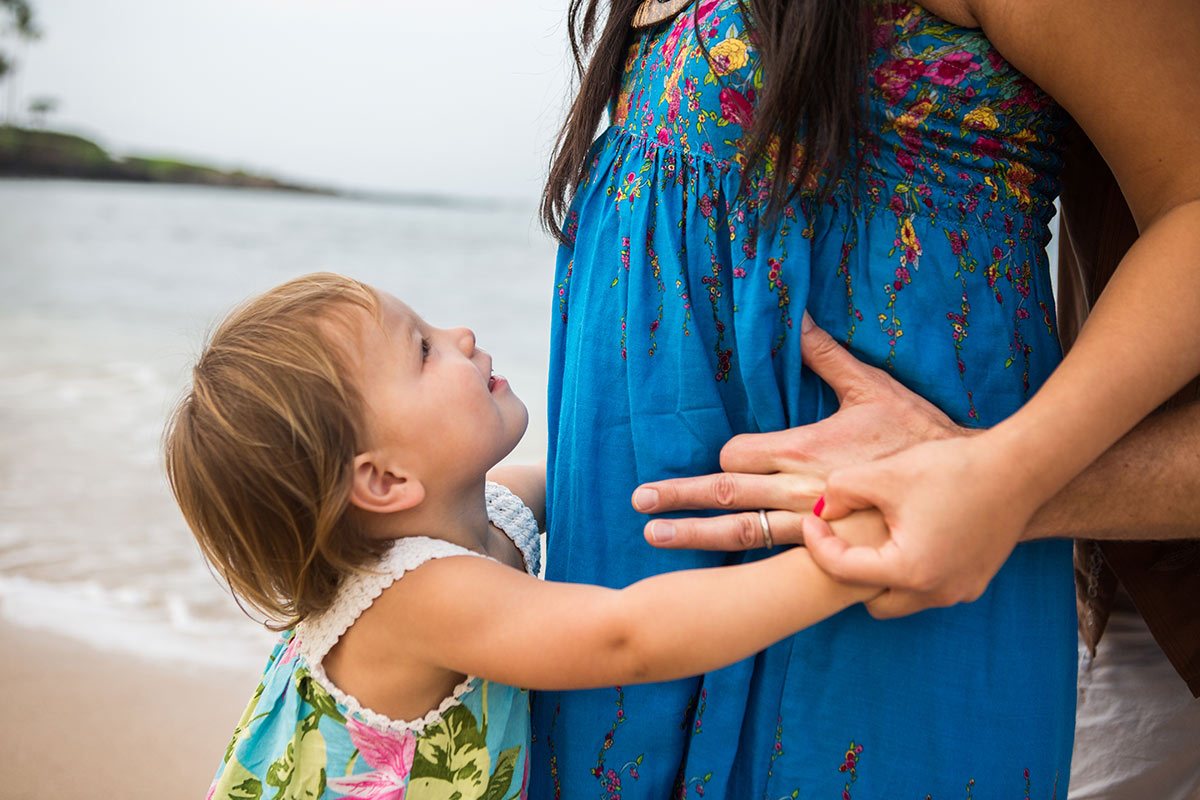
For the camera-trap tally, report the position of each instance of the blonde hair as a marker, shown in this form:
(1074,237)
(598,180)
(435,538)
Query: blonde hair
(260,452)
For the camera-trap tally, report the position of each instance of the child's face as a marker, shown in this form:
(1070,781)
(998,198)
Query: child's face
(432,402)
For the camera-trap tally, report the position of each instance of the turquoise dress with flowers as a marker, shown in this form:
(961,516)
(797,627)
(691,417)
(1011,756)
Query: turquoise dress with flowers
(302,737)
(676,326)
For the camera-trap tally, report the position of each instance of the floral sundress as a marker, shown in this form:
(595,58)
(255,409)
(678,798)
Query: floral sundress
(302,737)
(677,310)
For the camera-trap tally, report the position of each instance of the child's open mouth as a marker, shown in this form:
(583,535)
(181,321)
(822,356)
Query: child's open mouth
(496,382)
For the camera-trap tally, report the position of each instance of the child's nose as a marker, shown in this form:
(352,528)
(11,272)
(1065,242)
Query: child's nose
(466,340)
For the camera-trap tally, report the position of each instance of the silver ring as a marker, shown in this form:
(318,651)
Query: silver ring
(766,526)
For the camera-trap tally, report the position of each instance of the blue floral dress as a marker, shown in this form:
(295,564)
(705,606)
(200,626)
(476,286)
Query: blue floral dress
(677,311)
(302,737)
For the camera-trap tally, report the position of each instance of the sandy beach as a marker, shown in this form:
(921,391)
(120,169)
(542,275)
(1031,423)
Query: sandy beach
(84,723)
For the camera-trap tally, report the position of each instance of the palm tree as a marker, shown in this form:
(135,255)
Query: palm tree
(16,17)
(41,107)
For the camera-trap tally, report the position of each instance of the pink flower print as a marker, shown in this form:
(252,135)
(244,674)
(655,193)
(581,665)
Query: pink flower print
(664,136)
(956,243)
(706,148)
(736,108)
(524,795)
(896,77)
(706,8)
(391,756)
(706,206)
(291,651)
(996,61)
(951,69)
(986,146)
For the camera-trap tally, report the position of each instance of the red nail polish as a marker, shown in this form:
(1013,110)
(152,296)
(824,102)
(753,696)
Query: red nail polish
(820,506)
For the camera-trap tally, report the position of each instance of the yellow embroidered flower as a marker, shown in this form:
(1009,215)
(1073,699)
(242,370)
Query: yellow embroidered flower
(981,119)
(915,115)
(728,55)
(908,235)
(1017,181)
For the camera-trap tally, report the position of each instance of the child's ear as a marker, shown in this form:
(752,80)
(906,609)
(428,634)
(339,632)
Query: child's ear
(381,490)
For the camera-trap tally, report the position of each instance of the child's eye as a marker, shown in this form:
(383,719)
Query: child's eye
(424,349)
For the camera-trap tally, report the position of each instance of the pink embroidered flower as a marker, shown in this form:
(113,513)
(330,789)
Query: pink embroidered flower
(736,108)
(896,77)
(391,756)
(956,243)
(986,146)
(951,69)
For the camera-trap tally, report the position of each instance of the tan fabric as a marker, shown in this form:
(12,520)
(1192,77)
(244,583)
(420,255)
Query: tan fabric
(1163,578)
(1137,727)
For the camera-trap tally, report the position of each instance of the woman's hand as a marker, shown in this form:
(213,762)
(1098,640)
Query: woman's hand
(786,470)
(952,523)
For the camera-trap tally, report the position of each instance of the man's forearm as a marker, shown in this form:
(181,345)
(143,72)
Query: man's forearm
(1146,486)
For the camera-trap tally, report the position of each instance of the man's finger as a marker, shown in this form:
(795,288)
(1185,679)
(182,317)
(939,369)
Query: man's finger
(726,532)
(755,452)
(826,356)
(726,490)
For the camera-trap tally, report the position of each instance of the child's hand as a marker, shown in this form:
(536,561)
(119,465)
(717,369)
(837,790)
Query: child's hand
(862,529)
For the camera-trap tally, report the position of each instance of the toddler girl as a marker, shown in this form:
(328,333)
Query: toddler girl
(332,460)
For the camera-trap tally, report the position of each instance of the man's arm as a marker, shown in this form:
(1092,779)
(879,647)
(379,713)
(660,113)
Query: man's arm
(1146,486)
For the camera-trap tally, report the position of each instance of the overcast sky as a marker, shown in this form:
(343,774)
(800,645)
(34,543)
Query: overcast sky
(457,97)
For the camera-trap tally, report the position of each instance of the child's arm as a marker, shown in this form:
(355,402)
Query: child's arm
(475,616)
(526,481)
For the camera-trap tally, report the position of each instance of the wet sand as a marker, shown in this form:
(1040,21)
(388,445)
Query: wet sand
(83,723)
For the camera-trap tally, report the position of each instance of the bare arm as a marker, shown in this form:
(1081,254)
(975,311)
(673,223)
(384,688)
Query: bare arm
(1147,486)
(477,617)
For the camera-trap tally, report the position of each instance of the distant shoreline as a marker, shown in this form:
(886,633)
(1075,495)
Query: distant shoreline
(29,153)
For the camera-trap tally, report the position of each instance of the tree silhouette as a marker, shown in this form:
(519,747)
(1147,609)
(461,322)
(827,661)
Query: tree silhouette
(41,107)
(16,18)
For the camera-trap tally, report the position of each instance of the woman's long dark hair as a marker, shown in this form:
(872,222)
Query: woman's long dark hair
(811,51)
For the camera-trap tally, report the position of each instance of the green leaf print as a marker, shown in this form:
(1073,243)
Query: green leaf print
(244,723)
(501,779)
(299,773)
(315,695)
(237,783)
(452,761)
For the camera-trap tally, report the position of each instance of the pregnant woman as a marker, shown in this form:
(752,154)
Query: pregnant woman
(910,219)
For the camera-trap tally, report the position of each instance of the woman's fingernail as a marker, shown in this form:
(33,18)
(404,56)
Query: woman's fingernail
(806,323)
(662,530)
(819,507)
(645,499)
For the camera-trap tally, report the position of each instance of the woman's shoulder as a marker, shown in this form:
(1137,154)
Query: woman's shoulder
(957,11)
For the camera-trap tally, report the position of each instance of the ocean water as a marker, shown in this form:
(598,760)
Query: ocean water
(106,294)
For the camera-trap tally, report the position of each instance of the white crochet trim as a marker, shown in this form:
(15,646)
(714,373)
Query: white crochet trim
(509,514)
(318,635)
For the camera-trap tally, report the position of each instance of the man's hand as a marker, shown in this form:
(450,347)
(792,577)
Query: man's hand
(786,470)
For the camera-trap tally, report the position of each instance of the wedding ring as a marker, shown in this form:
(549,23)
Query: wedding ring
(766,526)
